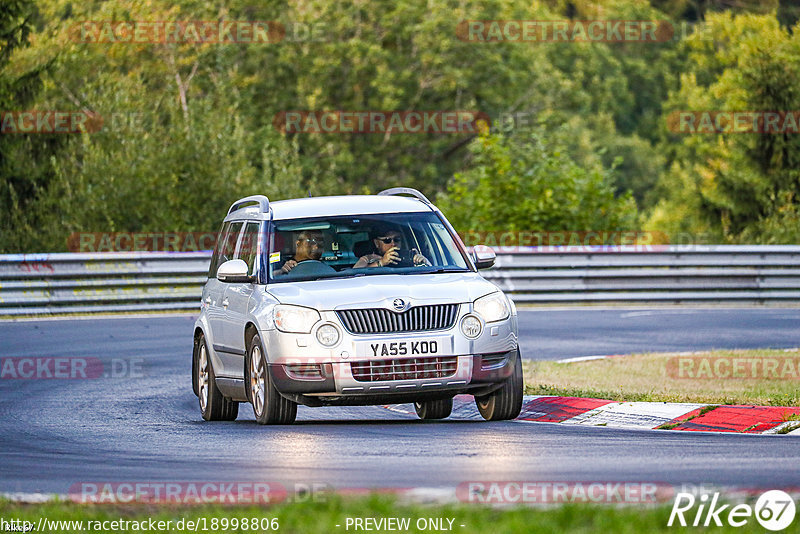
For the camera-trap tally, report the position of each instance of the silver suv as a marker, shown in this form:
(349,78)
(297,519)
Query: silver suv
(351,300)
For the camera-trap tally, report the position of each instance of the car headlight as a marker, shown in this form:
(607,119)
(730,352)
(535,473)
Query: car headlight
(328,335)
(492,307)
(295,319)
(471,326)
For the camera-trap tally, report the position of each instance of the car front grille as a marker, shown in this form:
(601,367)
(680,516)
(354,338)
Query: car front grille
(404,368)
(382,321)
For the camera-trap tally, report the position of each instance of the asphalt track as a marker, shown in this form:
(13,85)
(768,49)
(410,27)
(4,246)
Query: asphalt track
(56,433)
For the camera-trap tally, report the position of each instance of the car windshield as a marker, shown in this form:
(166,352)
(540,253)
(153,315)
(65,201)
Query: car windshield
(344,247)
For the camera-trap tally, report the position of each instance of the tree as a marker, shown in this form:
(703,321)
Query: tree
(24,159)
(736,186)
(532,186)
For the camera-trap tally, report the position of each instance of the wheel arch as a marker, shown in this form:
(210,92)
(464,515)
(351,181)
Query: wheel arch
(250,330)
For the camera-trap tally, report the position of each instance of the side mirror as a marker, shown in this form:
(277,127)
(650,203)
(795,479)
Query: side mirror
(482,256)
(233,271)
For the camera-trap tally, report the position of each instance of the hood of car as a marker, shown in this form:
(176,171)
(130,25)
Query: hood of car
(382,291)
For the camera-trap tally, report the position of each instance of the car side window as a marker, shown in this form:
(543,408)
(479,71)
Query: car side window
(249,248)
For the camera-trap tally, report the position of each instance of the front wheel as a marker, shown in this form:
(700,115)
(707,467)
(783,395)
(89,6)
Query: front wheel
(506,402)
(435,409)
(269,407)
(213,405)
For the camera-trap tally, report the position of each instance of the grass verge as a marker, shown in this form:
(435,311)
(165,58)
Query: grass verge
(330,516)
(758,377)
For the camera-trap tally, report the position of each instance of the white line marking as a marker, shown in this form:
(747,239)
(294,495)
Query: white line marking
(586,358)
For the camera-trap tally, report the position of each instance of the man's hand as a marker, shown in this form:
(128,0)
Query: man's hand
(391,257)
(419,260)
(288,266)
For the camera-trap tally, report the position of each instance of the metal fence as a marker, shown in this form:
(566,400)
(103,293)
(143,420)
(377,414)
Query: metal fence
(638,274)
(36,284)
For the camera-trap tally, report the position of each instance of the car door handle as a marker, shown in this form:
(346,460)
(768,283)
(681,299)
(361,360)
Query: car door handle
(208,299)
(225,302)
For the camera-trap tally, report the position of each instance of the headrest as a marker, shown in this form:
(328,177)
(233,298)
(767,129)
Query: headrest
(362,248)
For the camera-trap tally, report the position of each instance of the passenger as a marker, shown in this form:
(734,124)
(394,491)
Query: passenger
(387,246)
(309,246)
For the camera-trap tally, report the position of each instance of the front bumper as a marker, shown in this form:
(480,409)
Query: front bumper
(306,371)
(477,374)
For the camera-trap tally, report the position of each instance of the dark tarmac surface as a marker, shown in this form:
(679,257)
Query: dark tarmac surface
(147,427)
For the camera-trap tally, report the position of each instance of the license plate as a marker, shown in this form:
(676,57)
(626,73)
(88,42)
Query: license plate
(409,348)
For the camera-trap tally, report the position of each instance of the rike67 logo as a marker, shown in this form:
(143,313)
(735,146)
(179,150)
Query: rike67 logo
(774,510)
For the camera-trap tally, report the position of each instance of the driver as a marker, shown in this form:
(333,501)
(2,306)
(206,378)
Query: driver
(388,244)
(309,246)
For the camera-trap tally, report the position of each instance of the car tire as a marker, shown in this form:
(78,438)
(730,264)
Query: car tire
(213,405)
(269,406)
(435,409)
(506,402)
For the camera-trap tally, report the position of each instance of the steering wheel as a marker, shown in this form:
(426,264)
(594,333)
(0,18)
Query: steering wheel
(310,268)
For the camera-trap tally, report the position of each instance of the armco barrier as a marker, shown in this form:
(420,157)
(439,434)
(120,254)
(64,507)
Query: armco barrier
(637,274)
(33,284)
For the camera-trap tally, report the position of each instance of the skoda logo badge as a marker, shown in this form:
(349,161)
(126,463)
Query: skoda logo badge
(399,304)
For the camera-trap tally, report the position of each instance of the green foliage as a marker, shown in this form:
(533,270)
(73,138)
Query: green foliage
(530,186)
(740,187)
(24,160)
(188,127)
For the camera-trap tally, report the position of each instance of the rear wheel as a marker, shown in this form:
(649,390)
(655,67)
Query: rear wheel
(213,405)
(436,409)
(506,402)
(269,407)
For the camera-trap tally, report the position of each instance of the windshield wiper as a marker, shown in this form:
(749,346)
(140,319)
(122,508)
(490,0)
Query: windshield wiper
(340,276)
(436,270)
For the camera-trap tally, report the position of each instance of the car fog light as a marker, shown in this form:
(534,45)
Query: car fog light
(471,326)
(328,335)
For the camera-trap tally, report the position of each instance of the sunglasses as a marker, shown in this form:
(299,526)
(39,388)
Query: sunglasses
(387,240)
(317,242)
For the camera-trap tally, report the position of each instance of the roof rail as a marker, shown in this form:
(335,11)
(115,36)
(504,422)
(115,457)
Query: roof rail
(262,201)
(405,191)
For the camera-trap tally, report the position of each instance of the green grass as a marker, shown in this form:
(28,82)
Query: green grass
(322,517)
(788,428)
(645,377)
